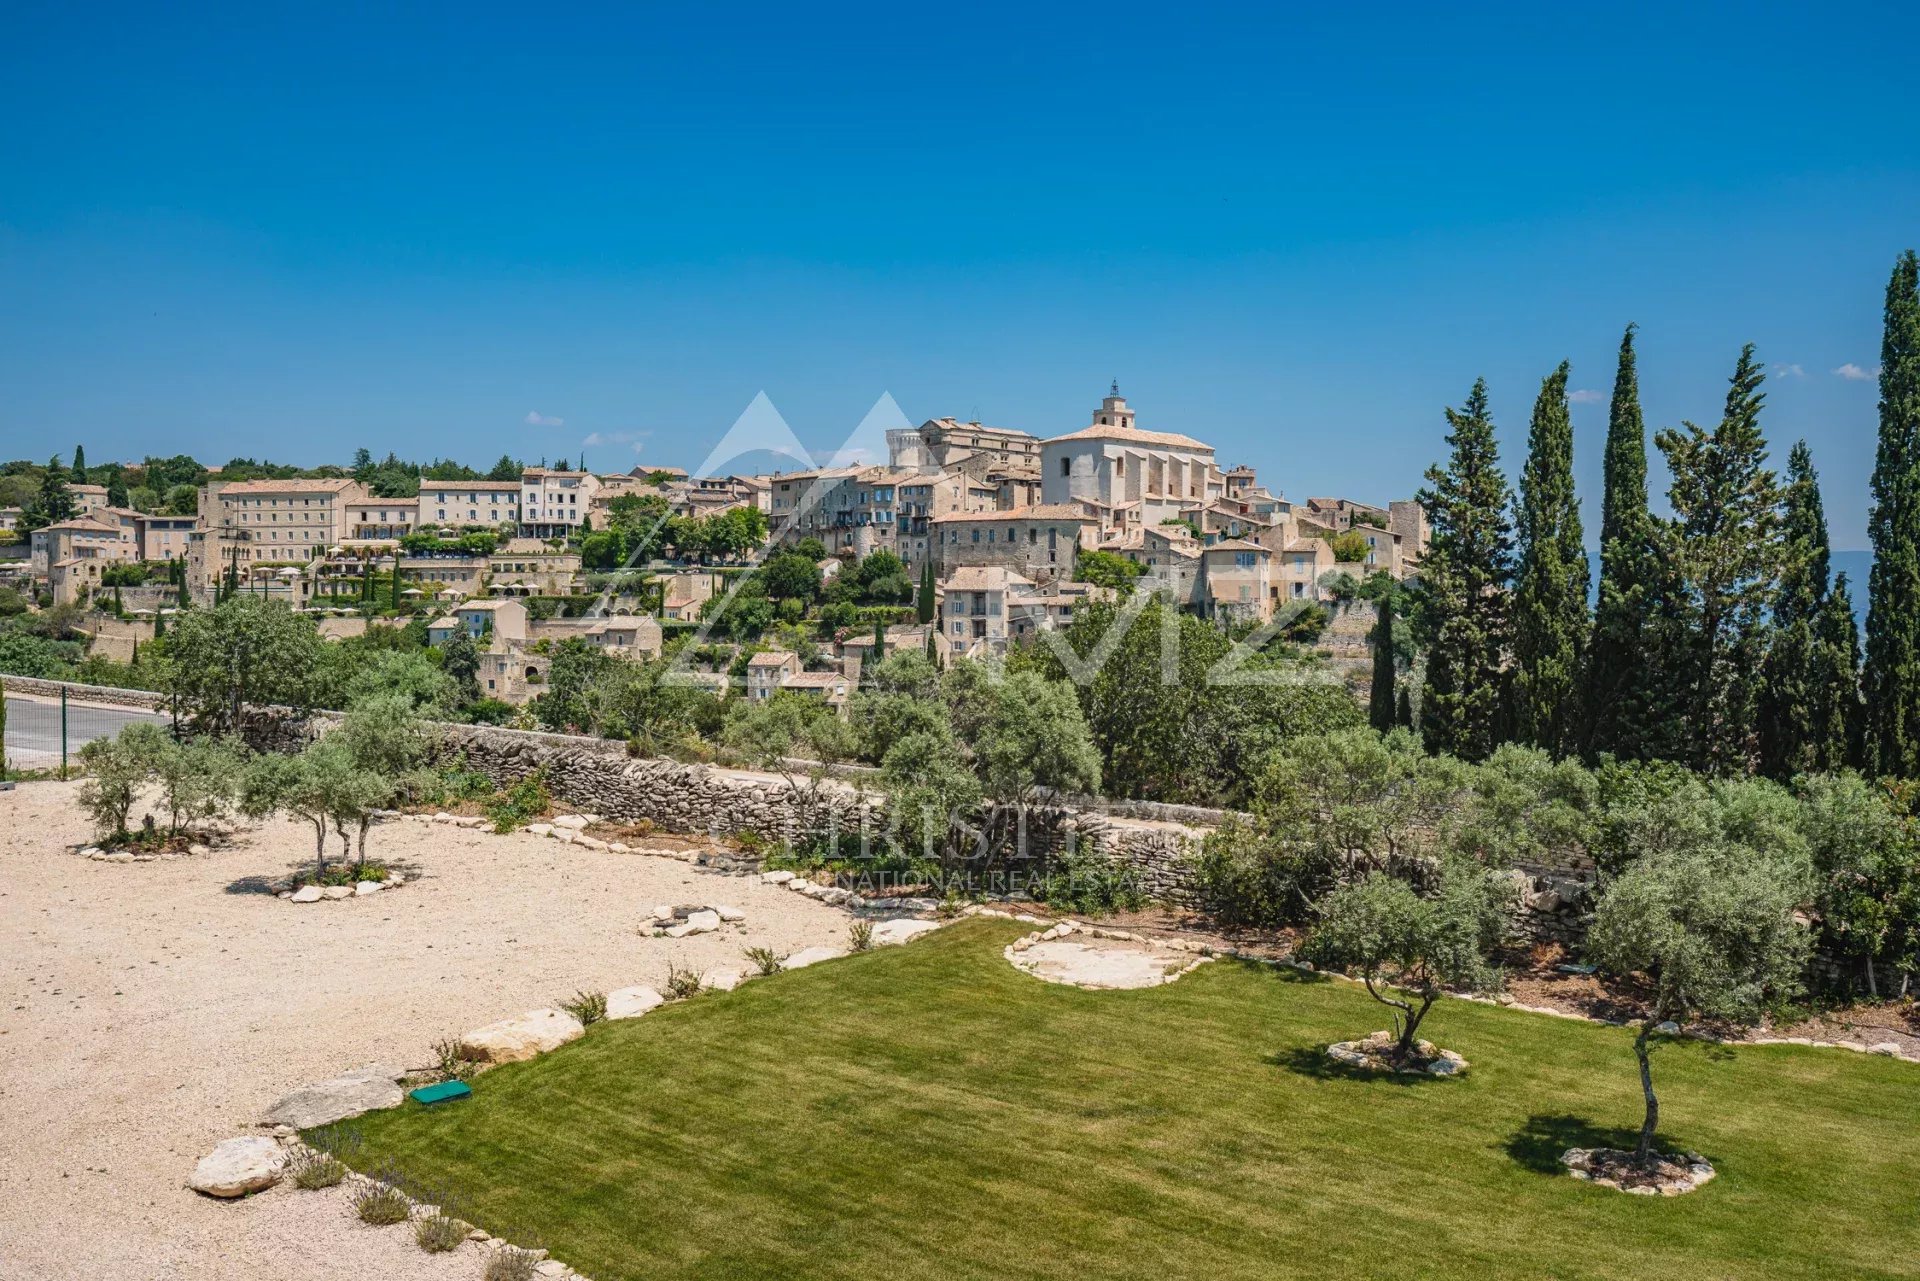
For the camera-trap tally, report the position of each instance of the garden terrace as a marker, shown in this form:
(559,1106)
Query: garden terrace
(928,1111)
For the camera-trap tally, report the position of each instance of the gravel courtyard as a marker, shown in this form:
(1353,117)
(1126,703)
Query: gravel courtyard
(148,1011)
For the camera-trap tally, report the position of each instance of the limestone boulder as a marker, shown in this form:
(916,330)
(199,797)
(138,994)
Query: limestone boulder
(901,930)
(521,1037)
(812,956)
(307,894)
(236,1167)
(365,1089)
(574,821)
(632,1002)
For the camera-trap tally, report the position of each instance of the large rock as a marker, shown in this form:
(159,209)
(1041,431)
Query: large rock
(306,894)
(902,929)
(574,821)
(521,1037)
(239,1166)
(811,956)
(364,1089)
(632,1002)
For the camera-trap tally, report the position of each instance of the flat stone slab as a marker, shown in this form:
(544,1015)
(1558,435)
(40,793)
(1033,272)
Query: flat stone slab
(521,1037)
(632,1002)
(722,980)
(1108,966)
(366,1089)
(901,930)
(812,956)
(236,1167)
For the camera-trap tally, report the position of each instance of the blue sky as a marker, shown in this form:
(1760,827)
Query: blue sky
(477,229)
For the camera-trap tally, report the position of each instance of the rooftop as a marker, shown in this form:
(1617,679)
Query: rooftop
(1135,436)
(314,485)
(1038,511)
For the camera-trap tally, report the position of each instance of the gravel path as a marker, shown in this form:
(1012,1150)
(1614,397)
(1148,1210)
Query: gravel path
(148,1011)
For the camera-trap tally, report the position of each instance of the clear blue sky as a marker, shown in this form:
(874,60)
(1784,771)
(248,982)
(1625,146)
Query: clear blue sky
(1297,235)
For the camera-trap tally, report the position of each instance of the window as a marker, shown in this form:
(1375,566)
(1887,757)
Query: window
(1066,466)
(1243,560)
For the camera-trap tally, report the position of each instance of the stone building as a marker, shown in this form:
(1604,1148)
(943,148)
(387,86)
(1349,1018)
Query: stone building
(249,523)
(472,503)
(553,504)
(1039,543)
(1112,462)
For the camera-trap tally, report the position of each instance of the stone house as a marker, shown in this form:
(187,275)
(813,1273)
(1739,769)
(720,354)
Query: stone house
(504,620)
(530,567)
(1239,580)
(765,672)
(1112,461)
(832,688)
(553,504)
(382,519)
(1038,543)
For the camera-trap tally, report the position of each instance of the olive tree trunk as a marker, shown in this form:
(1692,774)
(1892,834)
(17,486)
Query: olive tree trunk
(1652,1121)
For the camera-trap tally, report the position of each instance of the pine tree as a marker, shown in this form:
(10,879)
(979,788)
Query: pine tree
(1380,699)
(117,490)
(1790,697)
(1839,718)
(1892,676)
(1725,540)
(1463,588)
(55,500)
(79,465)
(1550,590)
(1623,709)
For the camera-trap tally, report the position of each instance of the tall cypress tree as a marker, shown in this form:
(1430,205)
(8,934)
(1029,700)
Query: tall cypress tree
(1725,538)
(1550,590)
(1839,716)
(1462,601)
(1623,713)
(1792,701)
(1892,675)
(1380,698)
(79,464)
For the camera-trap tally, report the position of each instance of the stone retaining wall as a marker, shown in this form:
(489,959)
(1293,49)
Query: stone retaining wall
(146,700)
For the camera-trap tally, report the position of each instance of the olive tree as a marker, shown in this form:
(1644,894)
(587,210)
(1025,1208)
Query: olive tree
(199,779)
(116,769)
(1709,925)
(322,786)
(1387,932)
(797,737)
(244,650)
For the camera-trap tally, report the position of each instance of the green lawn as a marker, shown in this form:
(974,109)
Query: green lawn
(926,1111)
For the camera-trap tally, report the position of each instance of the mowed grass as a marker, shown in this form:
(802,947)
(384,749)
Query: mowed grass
(927,1111)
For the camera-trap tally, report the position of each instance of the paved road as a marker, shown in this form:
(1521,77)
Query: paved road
(33,729)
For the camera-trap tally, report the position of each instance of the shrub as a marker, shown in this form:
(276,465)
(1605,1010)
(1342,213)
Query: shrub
(764,960)
(313,1170)
(520,804)
(449,1063)
(380,1204)
(588,1007)
(1086,884)
(682,984)
(511,1263)
(436,1234)
(860,934)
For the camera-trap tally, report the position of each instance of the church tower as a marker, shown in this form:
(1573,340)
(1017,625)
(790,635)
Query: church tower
(1113,411)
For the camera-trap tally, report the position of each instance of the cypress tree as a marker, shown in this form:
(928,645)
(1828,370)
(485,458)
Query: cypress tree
(1403,710)
(1839,717)
(1380,700)
(1623,711)
(923,607)
(79,465)
(1892,675)
(1550,591)
(1790,699)
(1463,588)
(1725,538)
(117,490)
(159,624)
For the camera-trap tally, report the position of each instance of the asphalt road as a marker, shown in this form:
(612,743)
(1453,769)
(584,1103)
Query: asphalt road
(33,729)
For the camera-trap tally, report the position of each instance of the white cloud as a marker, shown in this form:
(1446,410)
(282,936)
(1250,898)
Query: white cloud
(1854,374)
(637,439)
(535,418)
(1789,371)
(1585,396)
